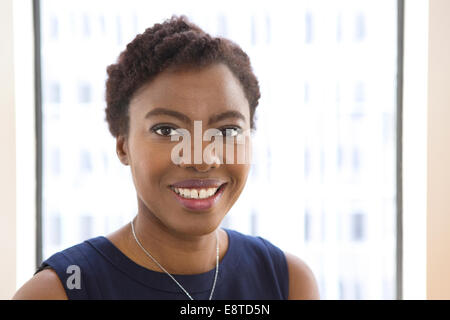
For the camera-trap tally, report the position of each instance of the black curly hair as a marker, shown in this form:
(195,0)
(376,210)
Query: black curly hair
(175,43)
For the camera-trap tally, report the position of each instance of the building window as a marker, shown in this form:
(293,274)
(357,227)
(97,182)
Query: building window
(341,289)
(358,290)
(254,222)
(308,27)
(54,28)
(85,161)
(338,95)
(54,93)
(356,159)
(322,164)
(358,226)
(360,27)
(307,162)
(306,93)
(222,25)
(84,93)
(307,228)
(86,26)
(339,28)
(102,23)
(56,161)
(339,157)
(359,92)
(268,30)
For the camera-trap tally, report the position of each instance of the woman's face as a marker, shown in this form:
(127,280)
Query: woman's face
(174,100)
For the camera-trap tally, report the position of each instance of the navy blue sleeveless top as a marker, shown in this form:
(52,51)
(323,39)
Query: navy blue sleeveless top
(252,268)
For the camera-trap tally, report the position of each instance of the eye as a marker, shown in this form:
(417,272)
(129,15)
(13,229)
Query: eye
(165,130)
(230,131)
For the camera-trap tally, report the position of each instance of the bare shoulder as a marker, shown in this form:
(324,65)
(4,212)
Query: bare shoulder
(302,283)
(45,285)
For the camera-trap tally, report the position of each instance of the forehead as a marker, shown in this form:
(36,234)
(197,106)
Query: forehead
(195,92)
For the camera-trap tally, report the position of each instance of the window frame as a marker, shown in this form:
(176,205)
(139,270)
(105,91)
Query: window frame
(399,138)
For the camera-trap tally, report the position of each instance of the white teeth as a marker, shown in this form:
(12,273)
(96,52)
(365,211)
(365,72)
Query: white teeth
(186,193)
(210,192)
(195,193)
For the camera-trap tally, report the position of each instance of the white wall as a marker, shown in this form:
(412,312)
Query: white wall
(25,140)
(17,133)
(438,206)
(8,153)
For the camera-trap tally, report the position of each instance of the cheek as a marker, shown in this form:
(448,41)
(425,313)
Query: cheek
(150,163)
(239,173)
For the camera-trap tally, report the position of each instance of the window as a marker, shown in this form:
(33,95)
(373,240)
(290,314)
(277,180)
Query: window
(339,28)
(54,93)
(308,27)
(360,29)
(359,92)
(356,159)
(339,157)
(307,230)
(222,25)
(307,162)
(329,148)
(322,164)
(101,20)
(84,92)
(86,26)
(53,33)
(268,30)
(358,229)
(306,94)
(85,162)
(56,161)
(254,223)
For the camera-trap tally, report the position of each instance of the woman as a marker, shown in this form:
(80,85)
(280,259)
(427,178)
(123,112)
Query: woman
(172,81)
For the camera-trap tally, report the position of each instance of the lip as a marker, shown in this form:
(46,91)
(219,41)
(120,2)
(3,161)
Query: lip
(199,204)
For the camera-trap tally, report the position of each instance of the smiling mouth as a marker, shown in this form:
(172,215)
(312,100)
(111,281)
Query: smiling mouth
(197,193)
(198,198)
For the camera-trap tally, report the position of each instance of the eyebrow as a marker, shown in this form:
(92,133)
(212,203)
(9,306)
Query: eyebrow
(213,119)
(168,112)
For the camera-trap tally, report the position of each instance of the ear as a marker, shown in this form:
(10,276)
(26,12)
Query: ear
(122,149)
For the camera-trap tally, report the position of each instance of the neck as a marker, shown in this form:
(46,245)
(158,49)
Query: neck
(177,252)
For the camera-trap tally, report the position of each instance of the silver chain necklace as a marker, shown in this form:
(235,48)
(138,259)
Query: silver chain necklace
(161,267)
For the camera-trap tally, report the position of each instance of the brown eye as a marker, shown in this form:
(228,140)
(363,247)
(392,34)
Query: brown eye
(230,131)
(165,131)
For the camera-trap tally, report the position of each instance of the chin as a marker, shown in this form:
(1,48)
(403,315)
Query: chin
(197,227)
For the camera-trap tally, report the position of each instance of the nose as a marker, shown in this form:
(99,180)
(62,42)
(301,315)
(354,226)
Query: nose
(207,158)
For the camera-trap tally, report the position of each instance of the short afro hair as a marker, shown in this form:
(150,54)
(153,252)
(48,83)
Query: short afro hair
(176,42)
